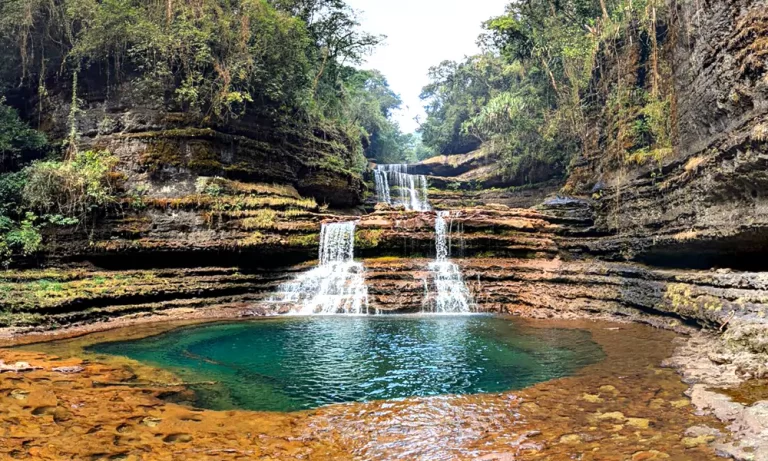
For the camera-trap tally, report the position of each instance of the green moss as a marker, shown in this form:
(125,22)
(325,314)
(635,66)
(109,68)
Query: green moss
(175,133)
(204,159)
(368,238)
(487,254)
(160,154)
(255,239)
(681,299)
(261,219)
(308,240)
(22,319)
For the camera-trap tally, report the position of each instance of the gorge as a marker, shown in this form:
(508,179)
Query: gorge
(217,243)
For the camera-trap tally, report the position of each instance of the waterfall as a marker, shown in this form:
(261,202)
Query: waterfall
(382,185)
(411,189)
(337,284)
(451,293)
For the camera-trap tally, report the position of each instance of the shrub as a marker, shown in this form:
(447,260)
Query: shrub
(18,238)
(73,189)
(11,188)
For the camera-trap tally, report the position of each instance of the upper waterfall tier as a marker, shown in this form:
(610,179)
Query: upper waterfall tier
(409,190)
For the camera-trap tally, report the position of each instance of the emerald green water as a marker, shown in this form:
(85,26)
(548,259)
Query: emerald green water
(298,363)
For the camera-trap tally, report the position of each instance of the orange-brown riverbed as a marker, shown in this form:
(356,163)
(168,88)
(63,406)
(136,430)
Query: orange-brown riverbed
(623,408)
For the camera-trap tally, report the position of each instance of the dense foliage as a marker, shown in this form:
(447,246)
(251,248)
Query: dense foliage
(18,142)
(280,60)
(53,193)
(542,74)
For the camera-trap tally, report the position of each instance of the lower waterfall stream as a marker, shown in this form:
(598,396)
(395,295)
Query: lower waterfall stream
(337,284)
(451,295)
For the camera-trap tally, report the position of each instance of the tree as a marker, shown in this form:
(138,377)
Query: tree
(457,92)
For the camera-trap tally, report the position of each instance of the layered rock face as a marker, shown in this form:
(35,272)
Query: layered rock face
(704,204)
(533,263)
(163,152)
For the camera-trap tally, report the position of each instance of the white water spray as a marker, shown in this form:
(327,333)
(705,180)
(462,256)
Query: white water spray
(451,293)
(337,284)
(411,189)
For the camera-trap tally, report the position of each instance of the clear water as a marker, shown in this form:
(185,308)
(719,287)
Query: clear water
(298,363)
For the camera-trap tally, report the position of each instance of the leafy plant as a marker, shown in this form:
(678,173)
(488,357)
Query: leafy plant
(18,238)
(75,188)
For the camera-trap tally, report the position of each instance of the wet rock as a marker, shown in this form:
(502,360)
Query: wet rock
(609,389)
(720,405)
(150,421)
(19,394)
(180,438)
(697,431)
(124,428)
(754,418)
(570,439)
(69,370)
(692,442)
(639,423)
(17,367)
(591,398)
(613,415)
(44,411)
(649,455)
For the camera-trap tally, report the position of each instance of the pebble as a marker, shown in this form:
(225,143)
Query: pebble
(570,438)
(72,369)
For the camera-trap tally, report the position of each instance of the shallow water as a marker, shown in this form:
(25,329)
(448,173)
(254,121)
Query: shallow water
(300,363)
(623,407)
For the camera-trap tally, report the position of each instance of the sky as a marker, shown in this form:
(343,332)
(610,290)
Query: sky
(421,34)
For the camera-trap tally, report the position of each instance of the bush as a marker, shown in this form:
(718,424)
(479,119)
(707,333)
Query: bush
(18,238)
(11,189)
(18,141)
(72,189)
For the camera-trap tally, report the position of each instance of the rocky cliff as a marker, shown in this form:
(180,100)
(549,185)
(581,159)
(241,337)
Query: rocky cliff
(703,203)
(223,213)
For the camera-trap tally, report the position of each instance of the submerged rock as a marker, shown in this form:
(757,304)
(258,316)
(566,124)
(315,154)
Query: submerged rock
(17,367)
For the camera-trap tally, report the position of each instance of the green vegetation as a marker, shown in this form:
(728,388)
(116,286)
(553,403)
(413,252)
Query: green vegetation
(546,70)
(283,62)
(278,63)
(18,142)
(53,193)
(368,238)
(371,105)
(73,189)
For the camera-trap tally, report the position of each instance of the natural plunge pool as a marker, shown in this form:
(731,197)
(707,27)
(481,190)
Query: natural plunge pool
(607,399)
(299,363)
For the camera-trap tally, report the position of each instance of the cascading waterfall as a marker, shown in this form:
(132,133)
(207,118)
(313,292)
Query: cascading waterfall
(451,293)
(337,284)
(411,189)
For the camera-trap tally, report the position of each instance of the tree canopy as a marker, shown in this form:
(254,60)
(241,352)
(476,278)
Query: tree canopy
(529,93)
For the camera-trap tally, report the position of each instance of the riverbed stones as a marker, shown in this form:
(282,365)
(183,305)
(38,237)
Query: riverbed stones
(570,439)
(639,423)
(591,398)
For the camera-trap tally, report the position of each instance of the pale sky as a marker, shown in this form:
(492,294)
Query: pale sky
(421,34)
